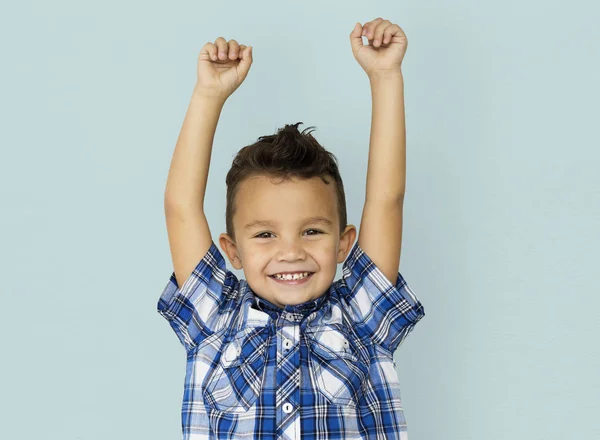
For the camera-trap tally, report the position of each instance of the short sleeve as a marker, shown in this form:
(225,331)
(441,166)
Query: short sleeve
(387,313)
(193,310)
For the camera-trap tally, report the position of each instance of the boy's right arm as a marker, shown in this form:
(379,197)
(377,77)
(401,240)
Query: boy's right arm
(187,227)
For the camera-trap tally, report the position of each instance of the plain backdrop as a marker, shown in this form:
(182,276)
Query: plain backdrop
(501,212)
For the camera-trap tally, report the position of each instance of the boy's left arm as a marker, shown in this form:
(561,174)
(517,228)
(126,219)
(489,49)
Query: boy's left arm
(380,233)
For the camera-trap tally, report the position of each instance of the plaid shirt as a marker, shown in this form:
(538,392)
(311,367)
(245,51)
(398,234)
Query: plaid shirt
(323,369)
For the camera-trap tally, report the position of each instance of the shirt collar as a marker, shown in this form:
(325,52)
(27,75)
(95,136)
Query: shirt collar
(302,309)
(290,313)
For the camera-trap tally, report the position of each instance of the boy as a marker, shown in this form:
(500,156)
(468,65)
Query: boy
(286,353)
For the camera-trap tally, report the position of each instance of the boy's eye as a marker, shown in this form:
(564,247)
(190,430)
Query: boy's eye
(262,234)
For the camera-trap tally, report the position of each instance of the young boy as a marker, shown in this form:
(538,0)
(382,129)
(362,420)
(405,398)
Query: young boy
(287,353)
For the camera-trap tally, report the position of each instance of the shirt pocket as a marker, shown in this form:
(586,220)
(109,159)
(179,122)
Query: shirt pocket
(337,369)
(234,382)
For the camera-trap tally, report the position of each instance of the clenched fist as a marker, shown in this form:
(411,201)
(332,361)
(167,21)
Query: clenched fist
(222,67)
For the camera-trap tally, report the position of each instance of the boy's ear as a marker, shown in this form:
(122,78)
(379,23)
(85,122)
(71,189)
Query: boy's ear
(346,241)
(230,249)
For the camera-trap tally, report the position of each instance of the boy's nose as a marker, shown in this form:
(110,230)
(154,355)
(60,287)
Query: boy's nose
(290,250)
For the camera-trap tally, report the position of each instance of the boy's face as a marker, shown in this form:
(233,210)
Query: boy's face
(290,242)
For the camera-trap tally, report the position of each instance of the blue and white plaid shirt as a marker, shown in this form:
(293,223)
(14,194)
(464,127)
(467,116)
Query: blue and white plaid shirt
(319,370)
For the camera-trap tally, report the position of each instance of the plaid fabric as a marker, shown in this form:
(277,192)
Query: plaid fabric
(323,369)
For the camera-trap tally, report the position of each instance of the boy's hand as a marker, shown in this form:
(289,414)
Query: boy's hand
(387,47)
(222,67)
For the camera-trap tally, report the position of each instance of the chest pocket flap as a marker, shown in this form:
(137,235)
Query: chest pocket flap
(235,381)
(337,368)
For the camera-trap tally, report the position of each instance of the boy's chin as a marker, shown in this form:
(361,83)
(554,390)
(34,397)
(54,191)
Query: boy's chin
(292,298)
(292,295)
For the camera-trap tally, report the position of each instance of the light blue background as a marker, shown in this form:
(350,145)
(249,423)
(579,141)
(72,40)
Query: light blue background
(501,213)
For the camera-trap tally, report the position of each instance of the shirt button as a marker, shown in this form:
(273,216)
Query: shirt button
(287,408)
(231,353)
(289,316)
(287,344)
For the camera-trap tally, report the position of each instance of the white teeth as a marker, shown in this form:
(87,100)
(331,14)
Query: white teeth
(295,276)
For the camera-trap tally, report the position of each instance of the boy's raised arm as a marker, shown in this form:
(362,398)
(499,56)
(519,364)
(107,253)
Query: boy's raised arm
(188,174)
(380,234)
(187,227)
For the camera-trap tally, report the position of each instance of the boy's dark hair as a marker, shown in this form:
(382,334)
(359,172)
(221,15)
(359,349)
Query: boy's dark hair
(286,154)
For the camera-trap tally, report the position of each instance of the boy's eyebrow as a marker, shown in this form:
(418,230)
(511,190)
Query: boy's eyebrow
(315,219)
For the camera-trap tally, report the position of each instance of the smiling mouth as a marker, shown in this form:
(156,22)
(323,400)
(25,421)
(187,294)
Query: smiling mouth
(292,281)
